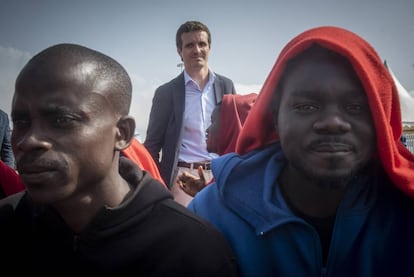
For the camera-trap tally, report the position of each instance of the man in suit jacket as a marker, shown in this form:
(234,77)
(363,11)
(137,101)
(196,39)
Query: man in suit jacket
(181,110)
(5,146)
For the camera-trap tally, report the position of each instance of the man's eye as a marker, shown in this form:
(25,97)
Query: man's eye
(305,108)
(63,121)
(355,108)
(19,123)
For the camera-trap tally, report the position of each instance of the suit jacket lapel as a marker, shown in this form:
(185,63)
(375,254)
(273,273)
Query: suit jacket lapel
(179,98)
(218,89)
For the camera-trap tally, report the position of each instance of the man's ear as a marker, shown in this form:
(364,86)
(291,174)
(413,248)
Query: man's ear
(179,53)
(125,132)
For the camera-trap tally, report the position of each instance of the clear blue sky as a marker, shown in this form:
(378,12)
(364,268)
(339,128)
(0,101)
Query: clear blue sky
(247,36)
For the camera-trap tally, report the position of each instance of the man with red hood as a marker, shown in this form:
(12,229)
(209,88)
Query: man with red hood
(321,184)
(227,121)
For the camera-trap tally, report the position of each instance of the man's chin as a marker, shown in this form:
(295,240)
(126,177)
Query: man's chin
(333,181)
(44,197)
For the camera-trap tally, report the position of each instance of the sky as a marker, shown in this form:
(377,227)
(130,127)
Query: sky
(247,36)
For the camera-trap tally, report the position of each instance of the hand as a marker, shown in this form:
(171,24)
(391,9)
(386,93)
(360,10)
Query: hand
(190,184)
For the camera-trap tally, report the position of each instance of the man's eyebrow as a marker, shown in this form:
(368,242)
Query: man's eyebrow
(356,92)
(54,109)
(305,92)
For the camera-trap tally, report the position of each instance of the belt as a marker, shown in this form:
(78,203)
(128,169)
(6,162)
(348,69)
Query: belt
(205,165)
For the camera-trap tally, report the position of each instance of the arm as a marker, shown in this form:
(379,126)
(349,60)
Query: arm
(158,122)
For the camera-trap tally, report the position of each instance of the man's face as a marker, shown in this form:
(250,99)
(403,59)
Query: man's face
(195,50)
(324,122)
(63,133)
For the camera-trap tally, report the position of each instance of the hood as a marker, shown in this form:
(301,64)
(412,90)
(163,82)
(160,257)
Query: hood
(147,192)
(10,182)
(258,130)
(233,113)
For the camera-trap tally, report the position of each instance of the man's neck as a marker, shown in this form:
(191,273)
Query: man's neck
(78,211)
(310,198)
(200,76)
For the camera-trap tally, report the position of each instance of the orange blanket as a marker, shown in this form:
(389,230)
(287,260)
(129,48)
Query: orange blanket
(140,155)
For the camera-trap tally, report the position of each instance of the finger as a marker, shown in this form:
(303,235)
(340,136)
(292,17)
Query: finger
(180,180)
(181,177)
(201,174)
(182,185)
(185,177)
(186,189)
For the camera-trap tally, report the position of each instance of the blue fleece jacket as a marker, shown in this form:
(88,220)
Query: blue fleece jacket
(372,236)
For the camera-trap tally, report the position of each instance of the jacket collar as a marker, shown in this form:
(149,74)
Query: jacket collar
(248,186)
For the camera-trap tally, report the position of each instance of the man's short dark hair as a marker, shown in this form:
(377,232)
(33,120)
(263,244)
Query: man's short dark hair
(191,26)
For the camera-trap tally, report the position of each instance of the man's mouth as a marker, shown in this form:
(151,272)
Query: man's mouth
(332,147)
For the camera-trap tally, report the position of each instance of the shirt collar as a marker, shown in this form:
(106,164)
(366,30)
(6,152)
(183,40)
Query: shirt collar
(187,77)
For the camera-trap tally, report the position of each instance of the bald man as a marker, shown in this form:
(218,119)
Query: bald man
(86,209)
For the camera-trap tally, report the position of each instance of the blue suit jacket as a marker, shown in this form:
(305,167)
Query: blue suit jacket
(165,124)
(5,144)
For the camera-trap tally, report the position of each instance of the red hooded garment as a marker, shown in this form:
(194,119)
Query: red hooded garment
(10,181)
(140,155)
(258,130)
(233,113)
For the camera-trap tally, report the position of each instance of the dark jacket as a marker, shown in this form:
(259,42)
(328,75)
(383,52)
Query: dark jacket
(166,122)
(6,153)
(148,235)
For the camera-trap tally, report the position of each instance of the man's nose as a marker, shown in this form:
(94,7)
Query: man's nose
(332,122)
(31,139)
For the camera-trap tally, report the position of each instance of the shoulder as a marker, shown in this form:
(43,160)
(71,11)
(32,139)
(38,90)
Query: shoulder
(192,234)
(177,81)
(12,208)
(164,220)
(191,223)
(240,165)
(223,78)
(207,201)
(391,196)
(191,226)
(12,201)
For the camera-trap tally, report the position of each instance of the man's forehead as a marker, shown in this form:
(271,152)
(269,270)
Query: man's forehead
(63,100)
(317,53)
(316,58)
(195,35)
(62,74)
